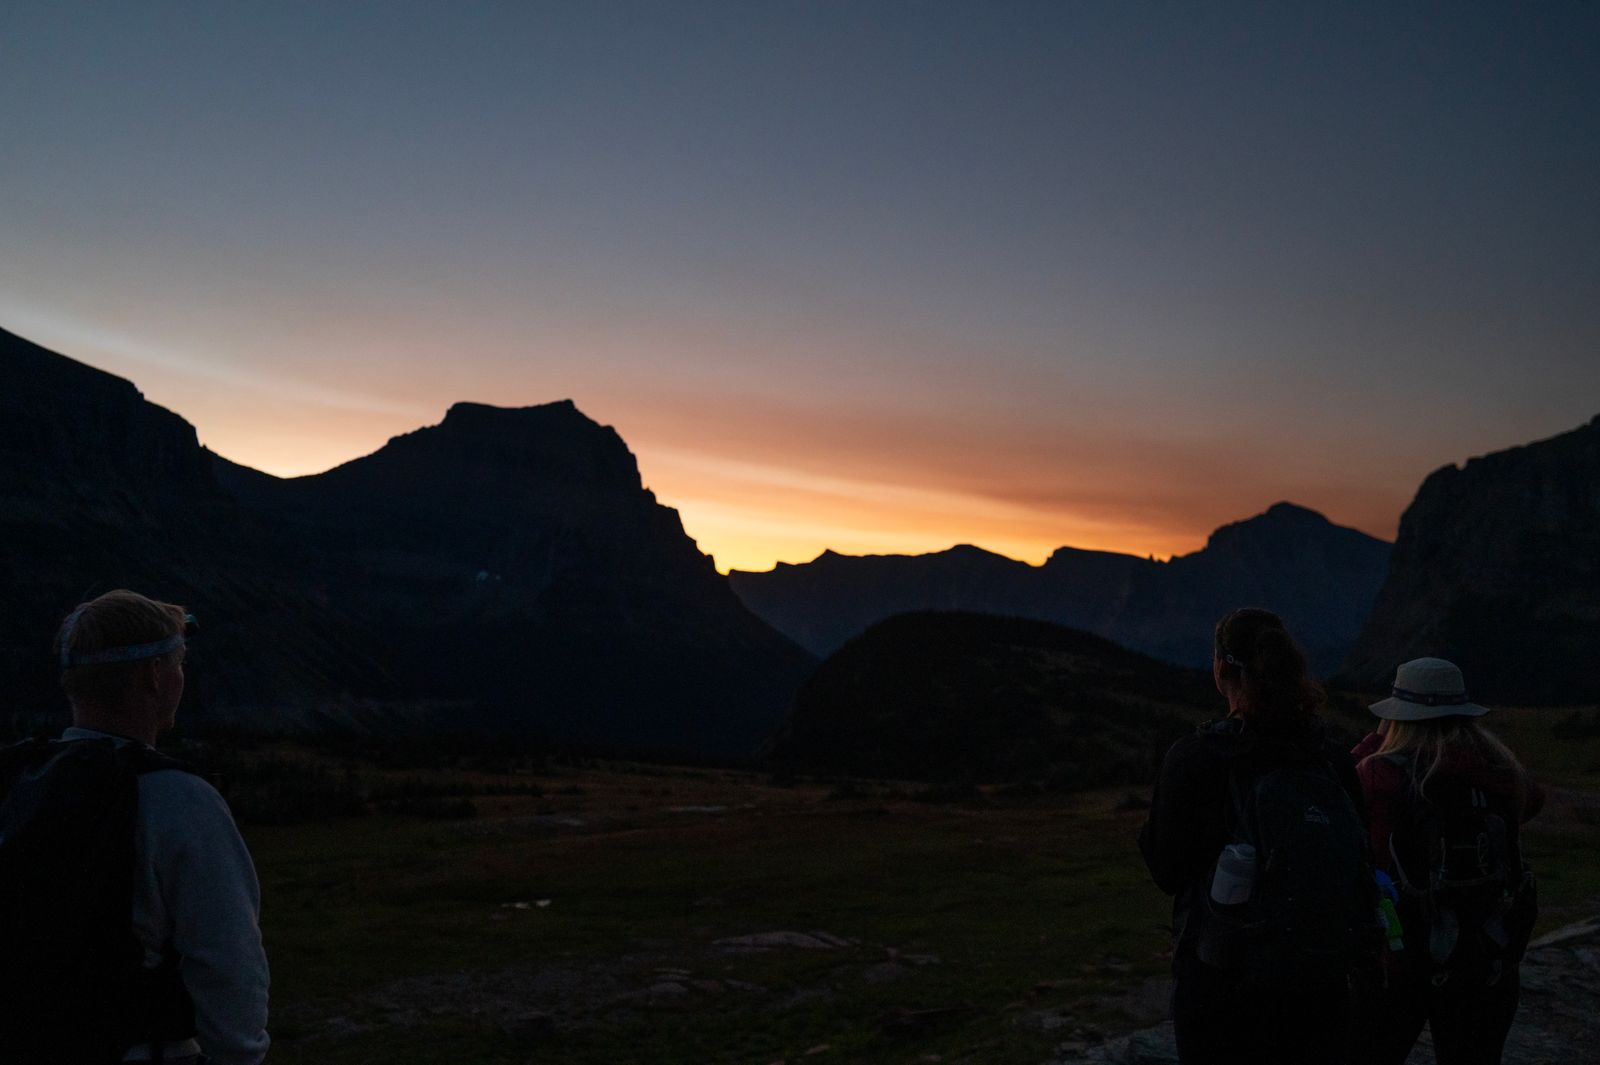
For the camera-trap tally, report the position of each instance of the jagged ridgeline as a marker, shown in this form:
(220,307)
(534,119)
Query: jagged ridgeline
(951,696)
(1320,576)
(504,572)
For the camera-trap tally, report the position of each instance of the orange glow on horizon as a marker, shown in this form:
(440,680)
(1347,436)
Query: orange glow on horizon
(760,479)
(752,517)
(746,525)
(753,513)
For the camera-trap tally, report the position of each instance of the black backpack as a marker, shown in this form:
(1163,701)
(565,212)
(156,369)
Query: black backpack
(1467,898)
(72,974)
(1311,914)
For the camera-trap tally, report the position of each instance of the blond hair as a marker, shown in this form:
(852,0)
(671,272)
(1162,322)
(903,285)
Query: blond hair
(116,619)
(1427,743)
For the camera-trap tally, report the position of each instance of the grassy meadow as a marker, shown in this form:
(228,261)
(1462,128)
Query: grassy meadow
(604,912)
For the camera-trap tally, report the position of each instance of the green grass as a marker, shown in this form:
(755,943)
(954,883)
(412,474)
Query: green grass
(1535,734)
(393,939)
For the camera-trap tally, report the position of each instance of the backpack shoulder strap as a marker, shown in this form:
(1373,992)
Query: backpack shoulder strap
(1241,809)
(1407,811)
(140,760)
(21,748)
(14,756)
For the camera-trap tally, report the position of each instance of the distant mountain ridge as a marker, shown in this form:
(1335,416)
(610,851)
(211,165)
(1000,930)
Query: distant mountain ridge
(1321,577)
(504,571)
(1497,567)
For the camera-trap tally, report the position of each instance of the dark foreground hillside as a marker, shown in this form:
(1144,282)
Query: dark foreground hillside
(979,698)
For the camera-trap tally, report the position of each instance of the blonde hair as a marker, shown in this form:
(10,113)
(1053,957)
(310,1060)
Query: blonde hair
(1428,742)
(116,619)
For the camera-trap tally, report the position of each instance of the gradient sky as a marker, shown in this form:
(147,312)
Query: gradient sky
(875,277)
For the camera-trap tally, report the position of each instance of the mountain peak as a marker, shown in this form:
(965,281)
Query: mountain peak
(973,551)
(466,414)
(520,448)
(1285,510)
(1282,519)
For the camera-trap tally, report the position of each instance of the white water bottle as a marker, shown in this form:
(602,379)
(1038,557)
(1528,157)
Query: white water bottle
(1235,877)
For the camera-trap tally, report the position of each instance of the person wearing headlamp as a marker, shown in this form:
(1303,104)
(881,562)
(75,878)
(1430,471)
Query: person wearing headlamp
(175,973)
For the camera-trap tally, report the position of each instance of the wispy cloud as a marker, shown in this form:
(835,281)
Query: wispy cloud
(884,493)
(81,339)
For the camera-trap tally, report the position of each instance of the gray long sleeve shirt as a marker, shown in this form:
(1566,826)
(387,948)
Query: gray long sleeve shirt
(195,893)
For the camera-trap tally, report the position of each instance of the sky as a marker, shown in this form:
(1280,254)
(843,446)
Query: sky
(875,277)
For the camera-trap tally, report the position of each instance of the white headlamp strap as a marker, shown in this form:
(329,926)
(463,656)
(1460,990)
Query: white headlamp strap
(133,653)
(128,654)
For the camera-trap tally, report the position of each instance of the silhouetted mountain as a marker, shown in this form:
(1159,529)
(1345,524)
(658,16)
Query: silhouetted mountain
(100,489)
(1497,568)
(502,571)
(973,697)
(515,554)
(64,425)
(1321,577)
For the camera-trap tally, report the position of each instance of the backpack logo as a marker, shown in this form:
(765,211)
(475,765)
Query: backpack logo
(1315,816)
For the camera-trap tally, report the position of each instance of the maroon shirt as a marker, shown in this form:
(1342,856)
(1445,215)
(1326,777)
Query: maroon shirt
(1384,784)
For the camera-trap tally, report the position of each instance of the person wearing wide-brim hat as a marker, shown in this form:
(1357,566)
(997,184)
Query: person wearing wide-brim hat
(1431,762)
(1426,689)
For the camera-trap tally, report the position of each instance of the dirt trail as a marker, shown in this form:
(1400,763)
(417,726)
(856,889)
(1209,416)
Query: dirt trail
(1558,1022)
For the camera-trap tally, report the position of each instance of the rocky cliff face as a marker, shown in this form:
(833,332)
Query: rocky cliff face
(1321,577)
(504,571)
(1497,567)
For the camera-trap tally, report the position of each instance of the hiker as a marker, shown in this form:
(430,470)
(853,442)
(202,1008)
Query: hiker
(1447,800)
(128,901)
(1256,829)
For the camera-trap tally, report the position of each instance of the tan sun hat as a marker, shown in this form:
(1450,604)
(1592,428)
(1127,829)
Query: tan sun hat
(1425,688)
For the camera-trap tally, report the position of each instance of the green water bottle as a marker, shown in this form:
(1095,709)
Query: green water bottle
(1391,925)
(1387,894)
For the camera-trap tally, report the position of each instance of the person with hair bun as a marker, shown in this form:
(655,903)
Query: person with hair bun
(1256,830)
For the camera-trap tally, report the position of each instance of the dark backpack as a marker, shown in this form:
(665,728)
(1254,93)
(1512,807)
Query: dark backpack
(1311,913)
(1467,898)
(72,974)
